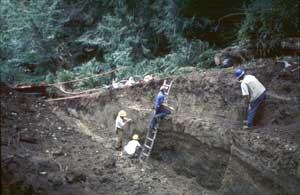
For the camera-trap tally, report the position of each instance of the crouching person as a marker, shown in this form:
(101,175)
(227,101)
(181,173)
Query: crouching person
(133,148)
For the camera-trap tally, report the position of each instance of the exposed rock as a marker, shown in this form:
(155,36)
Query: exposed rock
(242,54)
(237,54)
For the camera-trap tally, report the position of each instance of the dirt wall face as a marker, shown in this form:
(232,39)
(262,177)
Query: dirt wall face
(200,108)
(192,159)
(200,148)
(206,124)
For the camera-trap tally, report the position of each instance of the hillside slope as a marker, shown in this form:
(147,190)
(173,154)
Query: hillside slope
(66,146)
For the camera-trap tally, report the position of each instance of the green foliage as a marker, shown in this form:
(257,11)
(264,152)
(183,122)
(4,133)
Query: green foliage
(267,21)
(145,37)
(11,72)
(27,35)
(206,59)
(29,27)
(65,75)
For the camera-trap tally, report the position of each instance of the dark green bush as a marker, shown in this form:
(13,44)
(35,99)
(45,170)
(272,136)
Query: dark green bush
(267,22)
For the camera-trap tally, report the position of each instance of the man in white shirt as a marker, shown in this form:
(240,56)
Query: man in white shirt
(121,121)
(254,90)
(133,147)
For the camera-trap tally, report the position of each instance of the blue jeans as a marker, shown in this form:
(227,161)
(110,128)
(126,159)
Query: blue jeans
(160,114)
(254,106)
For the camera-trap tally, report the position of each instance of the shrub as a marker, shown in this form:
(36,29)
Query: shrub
(206,59)
(267,21)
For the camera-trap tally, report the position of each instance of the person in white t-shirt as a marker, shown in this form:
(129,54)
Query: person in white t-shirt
(133,147)
(121,121)
(254,90)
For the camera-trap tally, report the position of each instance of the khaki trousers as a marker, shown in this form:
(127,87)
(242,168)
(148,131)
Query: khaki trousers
(119,138)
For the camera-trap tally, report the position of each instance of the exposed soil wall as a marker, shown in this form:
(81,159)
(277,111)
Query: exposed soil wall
(200,149)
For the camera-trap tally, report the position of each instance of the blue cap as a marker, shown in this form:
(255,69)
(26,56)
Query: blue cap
(239,72)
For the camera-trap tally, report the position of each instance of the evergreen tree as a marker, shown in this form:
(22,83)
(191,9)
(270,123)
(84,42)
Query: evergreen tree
(28,33)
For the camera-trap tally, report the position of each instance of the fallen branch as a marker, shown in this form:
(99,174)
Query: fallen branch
(61,88)
(72,97)
(38,89)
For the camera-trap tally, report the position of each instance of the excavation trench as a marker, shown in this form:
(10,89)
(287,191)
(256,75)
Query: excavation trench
(182,153)
(194,148)
(176,150)
(201,145)
(202,140)
(186,156)
(189,157)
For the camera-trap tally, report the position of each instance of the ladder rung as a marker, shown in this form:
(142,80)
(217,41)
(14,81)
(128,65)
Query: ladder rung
(145,154)
(149,139)
(147,146)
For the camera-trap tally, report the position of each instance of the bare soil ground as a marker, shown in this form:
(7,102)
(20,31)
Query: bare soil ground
(41,154)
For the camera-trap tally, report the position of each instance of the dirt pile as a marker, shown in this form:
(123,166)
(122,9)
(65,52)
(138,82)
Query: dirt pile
(67,146)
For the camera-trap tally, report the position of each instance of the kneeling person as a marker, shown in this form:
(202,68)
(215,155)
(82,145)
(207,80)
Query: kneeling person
(133,147)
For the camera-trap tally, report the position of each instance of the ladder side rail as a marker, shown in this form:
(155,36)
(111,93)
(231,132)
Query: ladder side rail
(168,93)
(146,151)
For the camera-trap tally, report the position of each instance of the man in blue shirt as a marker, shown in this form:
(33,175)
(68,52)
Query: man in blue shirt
(161,109)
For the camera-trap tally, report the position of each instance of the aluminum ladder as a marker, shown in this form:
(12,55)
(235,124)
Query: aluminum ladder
(151,134)
(148,144)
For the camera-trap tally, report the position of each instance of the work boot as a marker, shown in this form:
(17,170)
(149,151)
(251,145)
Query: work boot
(154,129)
(246,127)
(245,124)
(168,117)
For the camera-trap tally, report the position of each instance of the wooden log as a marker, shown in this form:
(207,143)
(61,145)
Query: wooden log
(42,89)
(72,97)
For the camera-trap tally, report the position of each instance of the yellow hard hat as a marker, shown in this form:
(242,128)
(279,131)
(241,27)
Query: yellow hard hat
(135,137)
(122,113)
